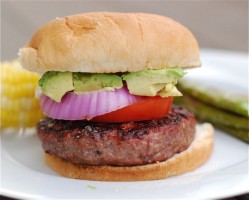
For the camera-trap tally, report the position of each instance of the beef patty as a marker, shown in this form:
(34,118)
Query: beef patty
(118,144)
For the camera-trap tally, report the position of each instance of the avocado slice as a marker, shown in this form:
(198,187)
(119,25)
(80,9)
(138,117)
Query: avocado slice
(144,83)
(87,82)
(154,82)
(56,84)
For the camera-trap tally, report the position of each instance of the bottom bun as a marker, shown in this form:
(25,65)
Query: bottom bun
(198,152)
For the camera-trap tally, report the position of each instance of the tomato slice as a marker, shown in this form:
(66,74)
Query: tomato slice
(147,109)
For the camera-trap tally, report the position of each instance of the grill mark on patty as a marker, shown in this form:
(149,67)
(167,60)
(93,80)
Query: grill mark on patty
(119,144)
(98,130)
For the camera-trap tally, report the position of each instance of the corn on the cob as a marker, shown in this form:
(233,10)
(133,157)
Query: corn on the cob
(19,107)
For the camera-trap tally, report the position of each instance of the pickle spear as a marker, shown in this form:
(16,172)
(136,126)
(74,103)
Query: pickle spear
(235,103)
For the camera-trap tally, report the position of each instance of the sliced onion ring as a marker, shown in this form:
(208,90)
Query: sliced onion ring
(87,105)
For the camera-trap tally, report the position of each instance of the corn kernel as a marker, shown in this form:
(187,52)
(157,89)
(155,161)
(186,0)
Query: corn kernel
(19,107)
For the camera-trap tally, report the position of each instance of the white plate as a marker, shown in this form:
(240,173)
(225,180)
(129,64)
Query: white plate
(24,174)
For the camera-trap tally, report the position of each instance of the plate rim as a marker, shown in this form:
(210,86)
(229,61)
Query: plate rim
(13,194)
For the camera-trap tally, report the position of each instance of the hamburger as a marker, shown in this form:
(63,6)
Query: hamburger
(108,82)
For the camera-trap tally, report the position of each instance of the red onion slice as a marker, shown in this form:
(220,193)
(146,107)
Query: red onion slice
(87,105)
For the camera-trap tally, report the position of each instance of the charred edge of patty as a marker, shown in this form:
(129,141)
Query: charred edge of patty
(97,130)
(65,139)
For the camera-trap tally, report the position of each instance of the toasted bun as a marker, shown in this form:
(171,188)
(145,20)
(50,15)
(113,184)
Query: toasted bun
(198,153)
(110,42)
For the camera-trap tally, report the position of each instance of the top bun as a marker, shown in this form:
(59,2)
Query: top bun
(103,42)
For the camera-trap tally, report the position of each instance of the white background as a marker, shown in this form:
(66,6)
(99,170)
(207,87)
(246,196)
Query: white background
(216,24)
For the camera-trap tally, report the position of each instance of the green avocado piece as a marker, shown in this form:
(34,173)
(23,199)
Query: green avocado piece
(56,84)
(87,82)
(154,82)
